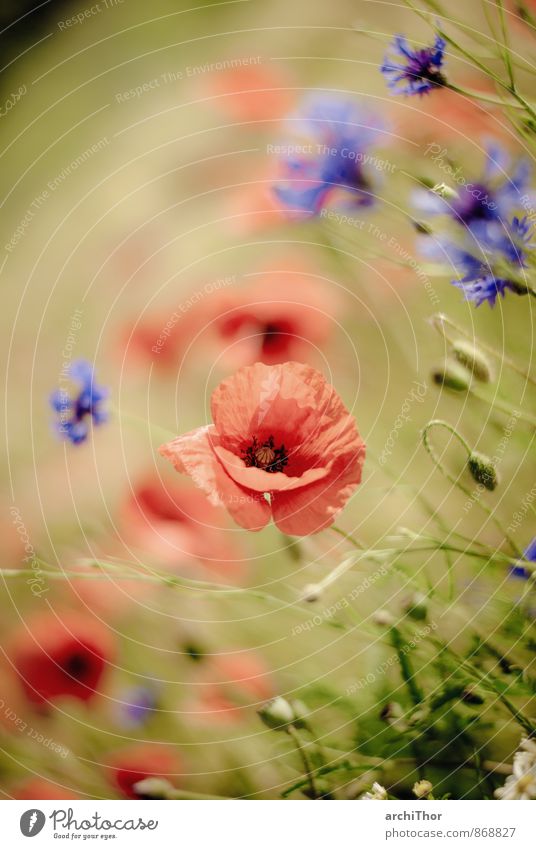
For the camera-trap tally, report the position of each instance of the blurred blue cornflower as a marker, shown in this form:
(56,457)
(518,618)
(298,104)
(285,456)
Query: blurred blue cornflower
(329,154)
(492,197)
(137,705)
(74,414)
(484,268)
(418,72)
(528,554)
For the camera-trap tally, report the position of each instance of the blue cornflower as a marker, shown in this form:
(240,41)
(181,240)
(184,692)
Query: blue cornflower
(528,554)
(138,704)
(491,197)
(517,243)
(485,277)
(76,413)
(480,284)
(418,72)
(329,155)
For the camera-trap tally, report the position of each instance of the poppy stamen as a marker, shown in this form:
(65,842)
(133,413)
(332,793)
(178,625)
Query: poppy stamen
(265,455)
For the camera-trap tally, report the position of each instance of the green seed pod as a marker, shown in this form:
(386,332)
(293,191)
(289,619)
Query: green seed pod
(394,714)
(416,606)
(452,375)
(483,470)
(423,228)
(473,359)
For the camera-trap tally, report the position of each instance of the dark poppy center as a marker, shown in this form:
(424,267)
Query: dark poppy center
(77,665)
(275,337)
(265,455)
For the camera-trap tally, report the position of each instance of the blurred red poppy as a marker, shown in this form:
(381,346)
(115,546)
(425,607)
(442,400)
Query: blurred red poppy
(175,523)
(139,761)
(284,313)
(56,657)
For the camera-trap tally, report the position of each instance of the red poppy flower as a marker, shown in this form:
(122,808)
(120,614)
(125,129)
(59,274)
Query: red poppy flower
(56,658)
(41,788)
(139,761)
(283,314)
(282,445)
(174,522)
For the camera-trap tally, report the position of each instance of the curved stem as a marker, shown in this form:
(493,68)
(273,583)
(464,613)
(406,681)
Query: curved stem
(451,429)
(456,482)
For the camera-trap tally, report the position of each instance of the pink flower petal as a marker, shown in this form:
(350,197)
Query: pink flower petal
(193,454)
(291,401)
(313,508)
(261,481)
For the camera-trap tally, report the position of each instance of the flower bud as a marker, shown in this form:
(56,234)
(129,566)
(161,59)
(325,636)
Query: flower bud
(377,792)
(473,359)
(483,470)
(416,606)
(193,651)
(393,714)
(418,716)
(383,618)
(311,592)
(446,192)
(470,696)
(154,788)
(452,375)
(422,788)
(277,714)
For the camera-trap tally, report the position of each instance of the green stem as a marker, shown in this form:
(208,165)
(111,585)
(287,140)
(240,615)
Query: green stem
(410,680)
(406,668)
(499,404)
(355,542)
(300,748)
(505,46)
(478,95)
(487,682)
(101,568)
